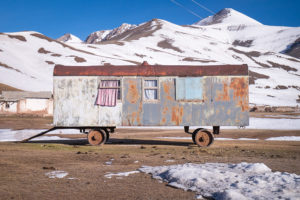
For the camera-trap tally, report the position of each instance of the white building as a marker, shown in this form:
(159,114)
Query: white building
(16,102)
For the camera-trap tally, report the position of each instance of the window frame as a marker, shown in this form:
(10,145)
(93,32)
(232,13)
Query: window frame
(185,99)
(112,79)
(149,88)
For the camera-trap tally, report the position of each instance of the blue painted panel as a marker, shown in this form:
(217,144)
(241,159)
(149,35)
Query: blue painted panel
(189,88)
(180,88)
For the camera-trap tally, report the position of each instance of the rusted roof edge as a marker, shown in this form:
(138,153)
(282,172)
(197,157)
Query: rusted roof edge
(152,70)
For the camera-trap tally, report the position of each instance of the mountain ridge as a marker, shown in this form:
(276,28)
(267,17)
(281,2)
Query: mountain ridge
(274,77)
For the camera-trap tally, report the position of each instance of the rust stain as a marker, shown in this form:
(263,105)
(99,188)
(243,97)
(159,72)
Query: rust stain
(165,110)
(177,114)
(167,87)
(240,92)
(228,112)
(150,70)
(223,95)
(133,94)
(139,113)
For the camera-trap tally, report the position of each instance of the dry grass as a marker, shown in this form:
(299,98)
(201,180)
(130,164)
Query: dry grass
(167,44)
(246,43)
(4,87)
(56,55)
(78,59)
(8,67)
(64,45)
(43,51)
(23,166)
(18,37)
(254,76)
(191,59)
(50,62)
(281,66)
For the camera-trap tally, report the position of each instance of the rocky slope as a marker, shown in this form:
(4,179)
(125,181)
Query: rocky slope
(275,77)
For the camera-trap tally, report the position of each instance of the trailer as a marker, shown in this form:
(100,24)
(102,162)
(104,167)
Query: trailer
(97,99)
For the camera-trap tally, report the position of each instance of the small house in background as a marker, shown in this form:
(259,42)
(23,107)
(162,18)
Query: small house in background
(21,102)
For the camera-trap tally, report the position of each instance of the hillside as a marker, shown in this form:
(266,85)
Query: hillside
(27,58)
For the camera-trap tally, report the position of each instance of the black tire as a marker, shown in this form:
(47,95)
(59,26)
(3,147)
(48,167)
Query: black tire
(106,133)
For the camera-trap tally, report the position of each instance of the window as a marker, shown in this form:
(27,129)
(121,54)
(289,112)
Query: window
(189,89)
(151,89)
(109,92)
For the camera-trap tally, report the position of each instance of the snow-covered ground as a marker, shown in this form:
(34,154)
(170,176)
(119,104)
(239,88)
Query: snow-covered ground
(282,138)
(229,181)
(255,123)
(27,59)
(8,135)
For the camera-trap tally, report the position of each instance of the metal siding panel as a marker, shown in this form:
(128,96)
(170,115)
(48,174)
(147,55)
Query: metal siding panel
(169,109)
(132,109)
(230,101)
(151,114)
(189,88)
(110,116)
(193,88)
(74,101)
(225,103)
(180,88)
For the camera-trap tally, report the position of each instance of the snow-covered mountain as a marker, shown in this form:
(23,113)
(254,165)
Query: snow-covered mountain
(27,58)
(104,35)
(228,16)
(69,38)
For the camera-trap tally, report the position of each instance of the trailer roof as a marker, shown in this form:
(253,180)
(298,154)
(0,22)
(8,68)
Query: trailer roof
(152,70)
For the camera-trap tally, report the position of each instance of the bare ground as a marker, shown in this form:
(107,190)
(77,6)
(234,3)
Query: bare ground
(23,165)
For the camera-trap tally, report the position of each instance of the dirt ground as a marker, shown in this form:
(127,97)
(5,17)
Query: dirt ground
(23,165)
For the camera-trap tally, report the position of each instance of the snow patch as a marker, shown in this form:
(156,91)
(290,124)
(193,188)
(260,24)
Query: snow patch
(274,124)
(110,175)
(229,181)
(57,174)
(236,139)
(8,135)
(284,138)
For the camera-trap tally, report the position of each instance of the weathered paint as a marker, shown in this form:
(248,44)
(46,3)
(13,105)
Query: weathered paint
(189,88)
(132,102)
(75,99)
(220,101)
(152,70)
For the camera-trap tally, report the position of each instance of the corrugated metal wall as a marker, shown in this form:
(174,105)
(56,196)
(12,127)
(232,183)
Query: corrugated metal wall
(197,101)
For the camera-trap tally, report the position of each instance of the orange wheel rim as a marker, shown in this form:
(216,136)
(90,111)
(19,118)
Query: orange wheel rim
(202,139)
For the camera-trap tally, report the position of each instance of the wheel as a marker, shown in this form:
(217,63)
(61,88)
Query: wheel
(106,134)
(194,133)
(96,137)
(202,137)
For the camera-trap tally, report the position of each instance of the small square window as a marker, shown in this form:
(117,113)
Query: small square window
(150,89)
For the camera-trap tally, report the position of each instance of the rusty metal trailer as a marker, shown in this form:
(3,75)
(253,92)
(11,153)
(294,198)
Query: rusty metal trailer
(99,98)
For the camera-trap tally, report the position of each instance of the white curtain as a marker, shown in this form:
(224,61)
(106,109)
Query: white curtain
(150,93)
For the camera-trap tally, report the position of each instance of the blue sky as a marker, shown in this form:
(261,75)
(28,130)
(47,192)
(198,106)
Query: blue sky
(81,17)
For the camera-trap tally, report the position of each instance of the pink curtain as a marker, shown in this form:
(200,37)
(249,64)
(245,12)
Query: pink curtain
(107,97)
